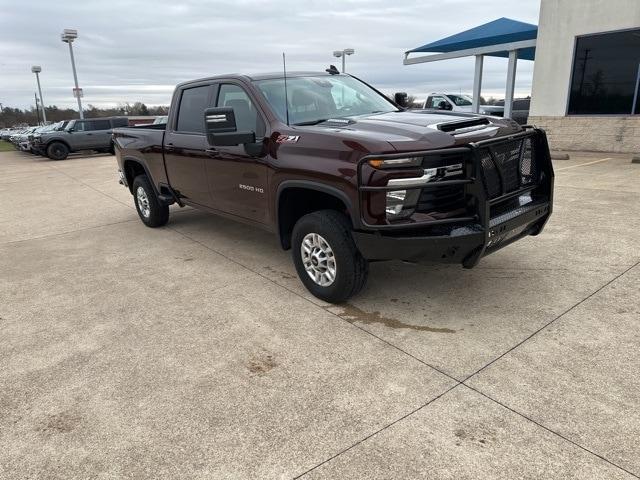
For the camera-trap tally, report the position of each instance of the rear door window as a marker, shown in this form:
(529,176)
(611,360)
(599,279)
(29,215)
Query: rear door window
(120,122)
(434,102)
(99,125)
(193,103)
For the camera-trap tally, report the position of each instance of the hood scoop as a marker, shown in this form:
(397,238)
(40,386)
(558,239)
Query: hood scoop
(464,126)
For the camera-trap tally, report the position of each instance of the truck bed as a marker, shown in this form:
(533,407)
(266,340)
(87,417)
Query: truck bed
(144,144)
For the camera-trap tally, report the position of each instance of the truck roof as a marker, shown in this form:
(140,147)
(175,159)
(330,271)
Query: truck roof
(260,76)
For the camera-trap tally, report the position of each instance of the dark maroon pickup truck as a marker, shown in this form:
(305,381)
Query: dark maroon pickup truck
(340,173)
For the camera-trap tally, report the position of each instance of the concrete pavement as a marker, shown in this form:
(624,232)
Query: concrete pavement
(193,351)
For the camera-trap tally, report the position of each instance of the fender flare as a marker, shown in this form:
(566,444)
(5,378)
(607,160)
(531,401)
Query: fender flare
(319,187)
(146,171)
(59,140)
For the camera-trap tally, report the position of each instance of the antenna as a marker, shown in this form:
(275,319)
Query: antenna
(286,98)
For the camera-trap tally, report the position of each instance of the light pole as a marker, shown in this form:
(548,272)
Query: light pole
(343,54)
(68,36)
(37,69)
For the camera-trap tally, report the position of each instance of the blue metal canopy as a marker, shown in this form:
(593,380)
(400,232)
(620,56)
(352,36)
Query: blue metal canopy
(500,31)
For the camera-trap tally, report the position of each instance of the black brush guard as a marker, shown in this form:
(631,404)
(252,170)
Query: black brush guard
(503,211)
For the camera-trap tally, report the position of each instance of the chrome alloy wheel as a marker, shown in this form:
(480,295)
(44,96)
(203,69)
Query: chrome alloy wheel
(143,202)
(318,259)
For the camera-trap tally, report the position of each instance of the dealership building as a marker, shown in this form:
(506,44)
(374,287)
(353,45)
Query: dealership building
(586,77)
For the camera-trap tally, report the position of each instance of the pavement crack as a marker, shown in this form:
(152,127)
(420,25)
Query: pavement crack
(552,321)
(553,432)
(376,432)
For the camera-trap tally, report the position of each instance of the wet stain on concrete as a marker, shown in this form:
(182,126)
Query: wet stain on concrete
(262,364)
(63,422)
(464,436)
(283,275)
(354,314)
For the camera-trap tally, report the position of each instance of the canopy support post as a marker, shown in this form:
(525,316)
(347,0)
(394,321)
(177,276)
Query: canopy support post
(511,83)
(477,84)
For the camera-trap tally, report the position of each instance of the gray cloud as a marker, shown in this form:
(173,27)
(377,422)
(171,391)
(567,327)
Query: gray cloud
(130,51)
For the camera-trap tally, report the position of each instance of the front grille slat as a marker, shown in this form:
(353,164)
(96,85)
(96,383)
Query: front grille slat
(508,167)
(441,200)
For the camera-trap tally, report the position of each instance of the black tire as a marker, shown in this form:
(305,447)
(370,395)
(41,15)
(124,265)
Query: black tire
(111,149)
(351,269)
(154,214)
(57,151)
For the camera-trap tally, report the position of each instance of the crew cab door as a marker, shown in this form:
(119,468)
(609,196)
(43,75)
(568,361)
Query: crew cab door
(185,145)
(82,135)
(98,135)
(238,174)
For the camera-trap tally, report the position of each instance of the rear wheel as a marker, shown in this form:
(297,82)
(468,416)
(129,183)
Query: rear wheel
(152,213)
(57,151)
(326,258)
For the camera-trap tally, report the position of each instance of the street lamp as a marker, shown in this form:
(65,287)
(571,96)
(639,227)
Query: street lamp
(343,54)
(37,69)
(68,36)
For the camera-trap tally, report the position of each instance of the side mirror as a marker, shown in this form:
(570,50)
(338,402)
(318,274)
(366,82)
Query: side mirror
(221,129)
(400,98)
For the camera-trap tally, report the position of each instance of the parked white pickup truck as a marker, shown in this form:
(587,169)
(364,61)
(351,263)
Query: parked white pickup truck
(456,102)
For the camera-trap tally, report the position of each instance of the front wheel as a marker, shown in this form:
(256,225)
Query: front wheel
(57,151)
(326,258)
(152,213)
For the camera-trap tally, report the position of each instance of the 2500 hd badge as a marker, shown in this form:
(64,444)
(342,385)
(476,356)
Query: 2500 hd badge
(348,176)
(251,188)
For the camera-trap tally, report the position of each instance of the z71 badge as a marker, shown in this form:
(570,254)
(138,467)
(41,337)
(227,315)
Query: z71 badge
(288,138)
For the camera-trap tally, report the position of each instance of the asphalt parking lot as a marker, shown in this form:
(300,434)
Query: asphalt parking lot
(193,351)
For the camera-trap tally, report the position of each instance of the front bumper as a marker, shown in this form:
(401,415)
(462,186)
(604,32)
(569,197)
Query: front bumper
(496,220)
(464,244)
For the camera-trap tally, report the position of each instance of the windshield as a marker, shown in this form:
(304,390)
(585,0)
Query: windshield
(316,99)
(461,100)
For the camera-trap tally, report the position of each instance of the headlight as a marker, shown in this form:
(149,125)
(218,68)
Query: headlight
(402,203)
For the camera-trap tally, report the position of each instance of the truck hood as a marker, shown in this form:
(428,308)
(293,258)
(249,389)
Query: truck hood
(418,129)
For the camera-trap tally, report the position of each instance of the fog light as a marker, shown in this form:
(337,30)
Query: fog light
(401,203)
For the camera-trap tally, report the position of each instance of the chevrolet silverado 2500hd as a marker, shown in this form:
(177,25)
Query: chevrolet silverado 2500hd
(341,174)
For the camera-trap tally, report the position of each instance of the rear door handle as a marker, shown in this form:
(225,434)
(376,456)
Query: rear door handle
(212,152)
(168,147)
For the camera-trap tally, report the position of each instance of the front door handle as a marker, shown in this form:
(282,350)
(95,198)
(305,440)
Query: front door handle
(212,152)
(168,147)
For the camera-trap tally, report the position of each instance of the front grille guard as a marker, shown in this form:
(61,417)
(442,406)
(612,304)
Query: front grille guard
(474,182)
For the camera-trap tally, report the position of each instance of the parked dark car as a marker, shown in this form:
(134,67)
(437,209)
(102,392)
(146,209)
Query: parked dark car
(520,112)
(87,134)
(339,173)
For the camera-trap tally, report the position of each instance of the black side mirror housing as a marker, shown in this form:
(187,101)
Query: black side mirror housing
(401,98)
(220,126)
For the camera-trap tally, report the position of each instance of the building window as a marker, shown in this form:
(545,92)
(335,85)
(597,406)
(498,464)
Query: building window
(606,72)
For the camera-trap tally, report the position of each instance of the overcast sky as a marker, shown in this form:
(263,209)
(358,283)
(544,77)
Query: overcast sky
(138,50)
